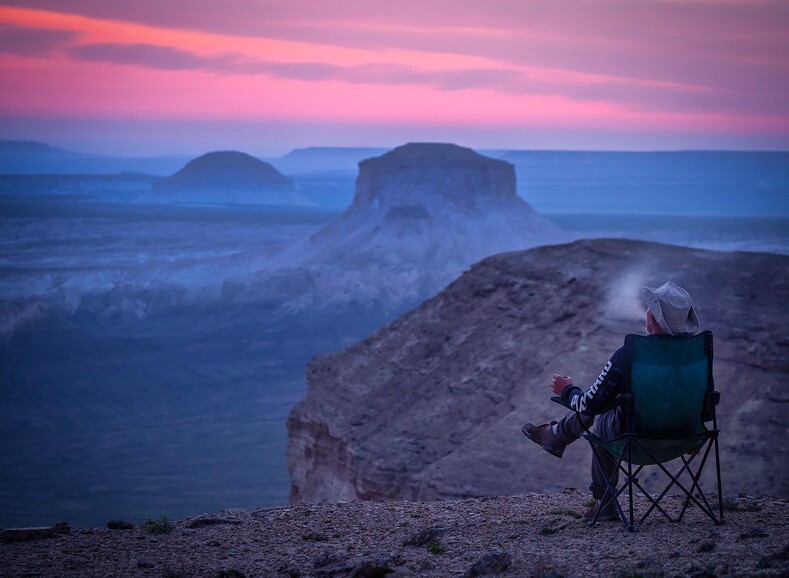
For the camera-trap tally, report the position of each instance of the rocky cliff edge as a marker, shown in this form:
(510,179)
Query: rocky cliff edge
(431,405)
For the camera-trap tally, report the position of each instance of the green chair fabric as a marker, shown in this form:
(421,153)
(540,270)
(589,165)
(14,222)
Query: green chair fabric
(668,381)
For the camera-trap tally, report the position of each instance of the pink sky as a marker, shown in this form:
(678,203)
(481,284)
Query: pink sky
(186,76)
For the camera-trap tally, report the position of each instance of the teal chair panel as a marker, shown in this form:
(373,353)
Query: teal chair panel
(669,379)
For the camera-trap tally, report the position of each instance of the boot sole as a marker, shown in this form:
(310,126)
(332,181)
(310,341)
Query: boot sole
(547,446)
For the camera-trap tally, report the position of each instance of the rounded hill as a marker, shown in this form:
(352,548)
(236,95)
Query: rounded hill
(226,170)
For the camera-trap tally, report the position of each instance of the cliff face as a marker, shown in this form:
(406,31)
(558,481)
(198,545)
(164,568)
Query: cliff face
(431,406)
(421,215)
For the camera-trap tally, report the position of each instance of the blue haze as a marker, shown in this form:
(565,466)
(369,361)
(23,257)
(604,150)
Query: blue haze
(148,392)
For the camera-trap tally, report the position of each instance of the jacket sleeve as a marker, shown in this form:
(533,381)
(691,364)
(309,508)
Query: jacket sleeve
(609,384)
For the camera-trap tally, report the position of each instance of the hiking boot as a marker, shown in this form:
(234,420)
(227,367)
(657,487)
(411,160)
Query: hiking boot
(544,436)
(607,514)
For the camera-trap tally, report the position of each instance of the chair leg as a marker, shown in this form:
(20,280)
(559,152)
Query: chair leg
(630,482)
(610,490)
(675,480)
(718,472)
(655,505)
(695,478)
(631,471)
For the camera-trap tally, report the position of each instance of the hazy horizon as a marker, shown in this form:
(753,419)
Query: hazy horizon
(281,151)
(148,368)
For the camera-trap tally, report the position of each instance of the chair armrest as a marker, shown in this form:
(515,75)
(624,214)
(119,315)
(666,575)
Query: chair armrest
(618,400)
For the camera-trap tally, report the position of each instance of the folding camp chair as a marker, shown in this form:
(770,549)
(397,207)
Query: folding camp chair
(671,395)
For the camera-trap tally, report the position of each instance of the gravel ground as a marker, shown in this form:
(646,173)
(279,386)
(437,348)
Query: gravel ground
(528,535)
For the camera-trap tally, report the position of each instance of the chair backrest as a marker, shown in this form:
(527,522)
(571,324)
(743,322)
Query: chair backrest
(670,378)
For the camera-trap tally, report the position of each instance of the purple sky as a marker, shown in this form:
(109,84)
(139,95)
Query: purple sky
(182,76)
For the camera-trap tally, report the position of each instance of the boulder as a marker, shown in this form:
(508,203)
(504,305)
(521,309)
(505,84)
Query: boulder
(9,535)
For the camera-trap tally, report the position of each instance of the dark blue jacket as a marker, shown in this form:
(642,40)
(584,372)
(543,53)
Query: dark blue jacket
(601,394)
(611,382)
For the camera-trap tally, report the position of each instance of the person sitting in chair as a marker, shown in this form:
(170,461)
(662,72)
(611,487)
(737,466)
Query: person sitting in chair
(669,311)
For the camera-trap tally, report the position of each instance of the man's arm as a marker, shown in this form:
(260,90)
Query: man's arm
(606,387)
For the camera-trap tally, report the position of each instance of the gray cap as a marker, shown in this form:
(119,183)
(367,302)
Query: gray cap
(672,308)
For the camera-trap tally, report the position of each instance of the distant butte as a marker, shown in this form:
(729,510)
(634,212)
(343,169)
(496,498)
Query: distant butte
(421,215)
(417,171)
(230,176)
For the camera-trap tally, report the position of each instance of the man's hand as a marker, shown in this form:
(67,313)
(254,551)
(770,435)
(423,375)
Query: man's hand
(559,382)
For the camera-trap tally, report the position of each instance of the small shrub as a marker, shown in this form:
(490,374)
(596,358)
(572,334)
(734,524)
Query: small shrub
(159,526)
(545,568)
(708,546)
(322,561)
(436,547)
(590,502)
(548,531)
(699,572)
(425,536)
(634,574)
(566,512)
(229,574)
(752,533)
(732,504)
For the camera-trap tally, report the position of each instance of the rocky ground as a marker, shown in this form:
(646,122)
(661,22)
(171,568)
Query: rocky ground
(529,535)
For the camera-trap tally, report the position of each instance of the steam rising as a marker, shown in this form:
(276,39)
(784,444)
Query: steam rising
(623,300)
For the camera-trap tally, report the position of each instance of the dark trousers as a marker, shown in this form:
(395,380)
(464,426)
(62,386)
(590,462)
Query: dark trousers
(607,426)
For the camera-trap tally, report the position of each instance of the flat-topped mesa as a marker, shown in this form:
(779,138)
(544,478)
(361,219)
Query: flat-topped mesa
(422,214)
(415,173)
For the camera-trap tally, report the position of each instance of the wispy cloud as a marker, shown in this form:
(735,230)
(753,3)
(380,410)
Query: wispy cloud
(152,56)
(505,79)
(617,63)
(24,41)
